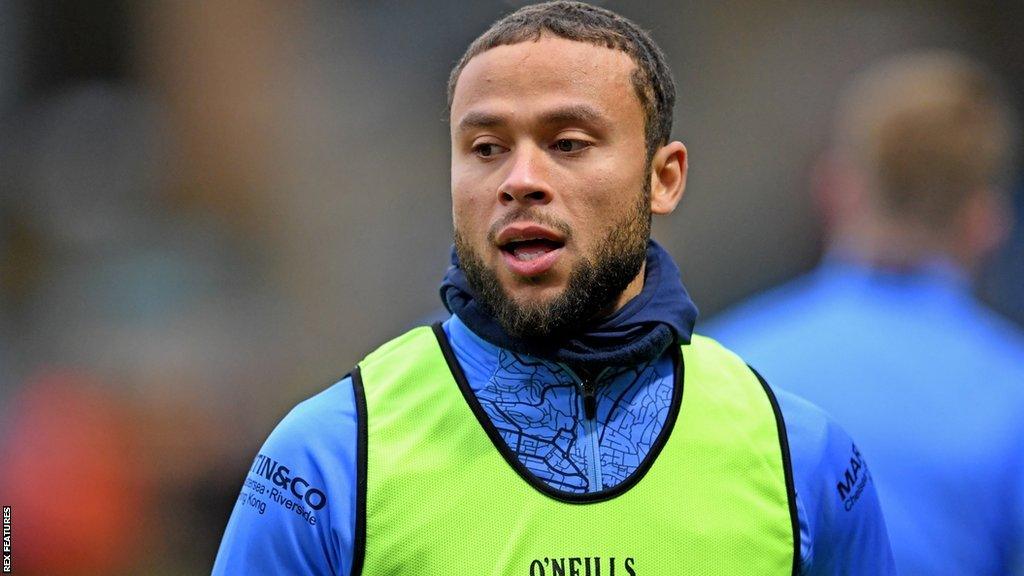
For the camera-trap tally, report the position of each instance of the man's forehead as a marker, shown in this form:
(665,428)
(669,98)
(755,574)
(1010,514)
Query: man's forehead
(542,68)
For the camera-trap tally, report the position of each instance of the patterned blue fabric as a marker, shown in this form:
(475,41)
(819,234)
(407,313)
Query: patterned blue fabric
(538,409)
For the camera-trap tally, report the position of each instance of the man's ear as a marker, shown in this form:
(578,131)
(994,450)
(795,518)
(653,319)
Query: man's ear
(984,224)
(668,177)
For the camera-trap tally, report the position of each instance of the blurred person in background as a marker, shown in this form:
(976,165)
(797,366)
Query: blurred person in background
(127,337)
(885,334)
(130,314)
(541,429)
(78,504)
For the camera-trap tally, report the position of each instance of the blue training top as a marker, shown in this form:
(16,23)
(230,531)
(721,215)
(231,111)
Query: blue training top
(929,382)
(272,531)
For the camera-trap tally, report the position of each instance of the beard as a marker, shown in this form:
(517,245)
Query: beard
(593,286)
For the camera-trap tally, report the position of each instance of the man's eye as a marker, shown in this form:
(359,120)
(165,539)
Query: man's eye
(570,145)
(487,150)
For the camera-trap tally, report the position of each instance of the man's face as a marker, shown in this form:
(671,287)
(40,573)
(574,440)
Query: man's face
(550,184)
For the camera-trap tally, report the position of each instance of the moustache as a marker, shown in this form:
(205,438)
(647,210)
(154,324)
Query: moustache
(528,214)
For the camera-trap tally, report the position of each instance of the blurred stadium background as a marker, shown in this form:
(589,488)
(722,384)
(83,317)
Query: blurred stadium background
(209,210)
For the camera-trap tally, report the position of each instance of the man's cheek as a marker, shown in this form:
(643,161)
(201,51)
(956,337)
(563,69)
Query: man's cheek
(463,224)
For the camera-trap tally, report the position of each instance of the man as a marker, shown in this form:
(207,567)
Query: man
(564,420)
(885,334)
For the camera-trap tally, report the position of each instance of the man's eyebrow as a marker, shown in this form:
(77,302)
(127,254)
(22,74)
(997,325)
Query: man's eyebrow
(477,119)
(573,114)
(570,114)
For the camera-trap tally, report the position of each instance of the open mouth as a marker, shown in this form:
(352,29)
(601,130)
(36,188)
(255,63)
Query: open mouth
(529,249)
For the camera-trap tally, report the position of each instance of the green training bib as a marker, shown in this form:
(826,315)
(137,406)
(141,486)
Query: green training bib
(440,494)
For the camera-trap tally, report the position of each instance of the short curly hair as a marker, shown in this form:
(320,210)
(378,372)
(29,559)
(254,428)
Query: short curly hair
(581,22)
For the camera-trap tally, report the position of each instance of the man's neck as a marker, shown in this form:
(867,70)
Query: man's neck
(892,245)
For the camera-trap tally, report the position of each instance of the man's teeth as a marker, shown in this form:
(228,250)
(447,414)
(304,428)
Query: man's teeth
(526,256)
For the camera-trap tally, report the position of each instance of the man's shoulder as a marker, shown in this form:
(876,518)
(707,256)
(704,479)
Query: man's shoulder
(840,515)
(298,490)
(310,457)
(808,427)
(814,435)
(834,490)
(418,336)
(318,425)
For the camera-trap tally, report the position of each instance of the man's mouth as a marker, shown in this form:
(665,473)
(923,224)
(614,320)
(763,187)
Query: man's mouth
(530,249)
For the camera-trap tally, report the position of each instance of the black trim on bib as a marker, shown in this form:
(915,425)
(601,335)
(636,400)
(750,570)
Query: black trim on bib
(787,467)
(524,473)
(359,543)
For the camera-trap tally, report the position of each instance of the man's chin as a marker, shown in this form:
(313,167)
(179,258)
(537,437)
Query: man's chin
(533,292)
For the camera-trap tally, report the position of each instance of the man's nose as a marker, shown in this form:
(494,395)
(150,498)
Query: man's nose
(526,181)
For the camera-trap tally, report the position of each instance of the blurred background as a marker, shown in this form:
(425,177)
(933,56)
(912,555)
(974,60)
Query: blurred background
(210,210)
